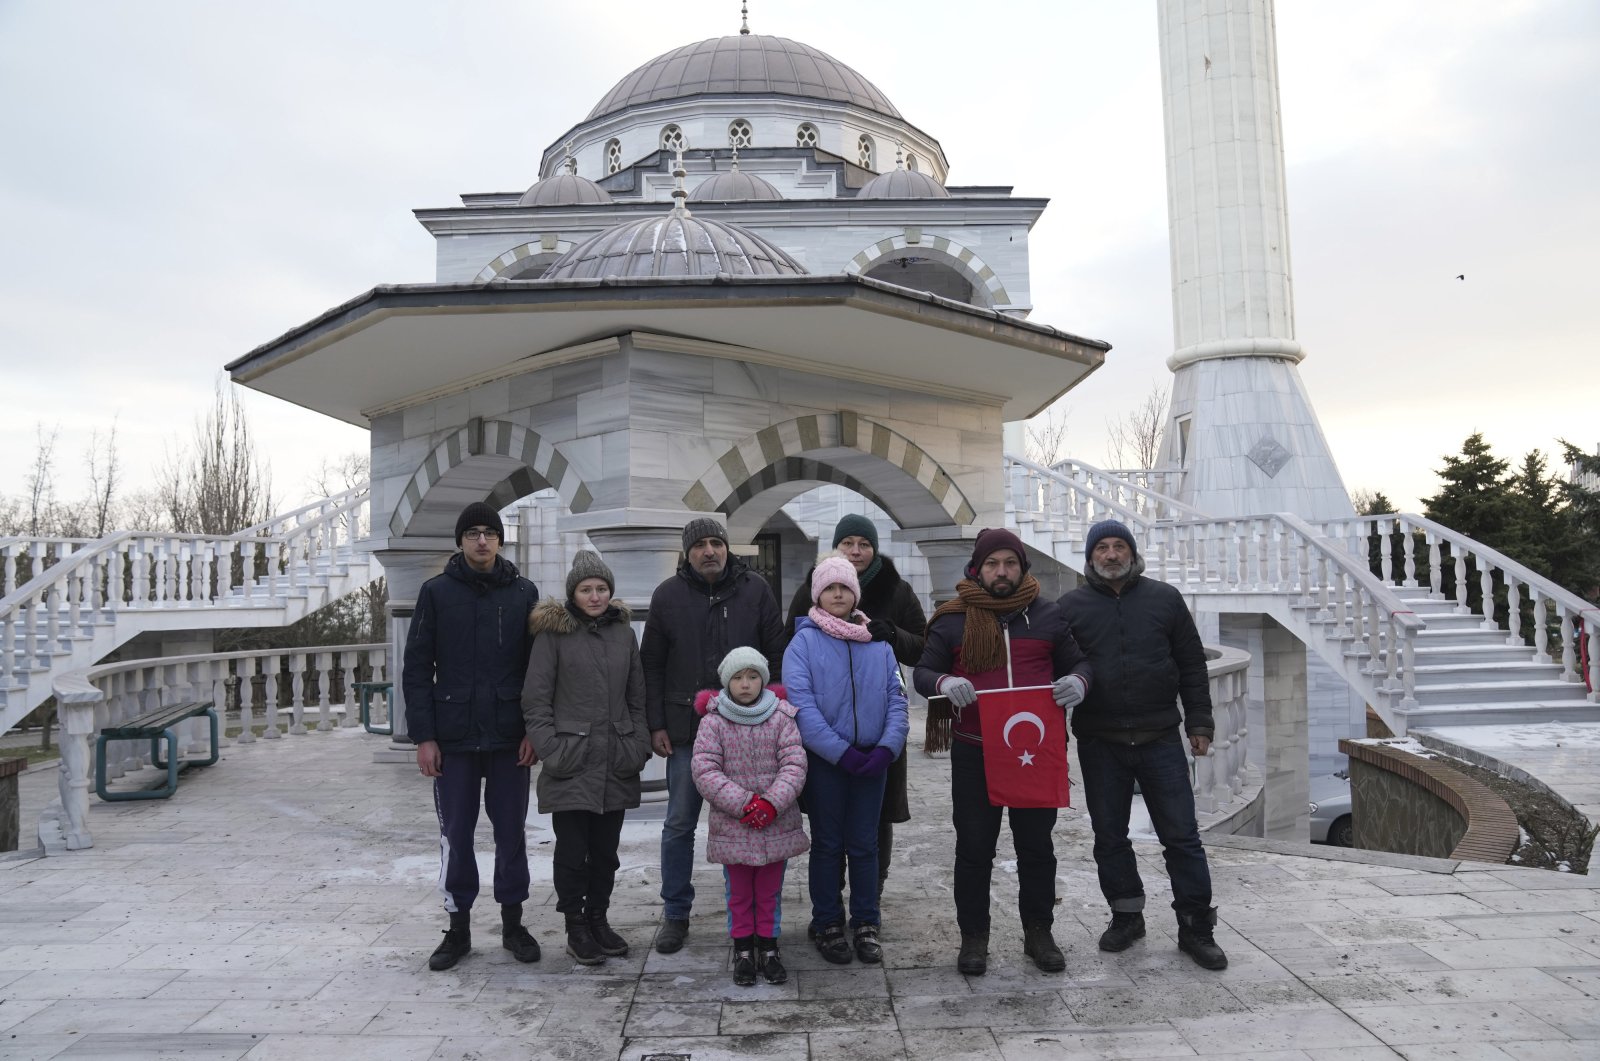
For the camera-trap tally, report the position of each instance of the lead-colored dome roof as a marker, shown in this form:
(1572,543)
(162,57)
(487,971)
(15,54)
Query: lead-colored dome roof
(677,244)
(565,189)
(903,184)
(733,186)
(744,64)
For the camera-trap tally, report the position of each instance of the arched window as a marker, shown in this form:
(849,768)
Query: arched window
(672,138)
(805,135)
(613,156)
(865,153)
(911,162)
(739,134)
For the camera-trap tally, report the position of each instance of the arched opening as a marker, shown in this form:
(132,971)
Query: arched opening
(932,263)
(923,274)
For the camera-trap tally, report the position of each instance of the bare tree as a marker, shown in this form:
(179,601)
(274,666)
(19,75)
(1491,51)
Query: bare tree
(1047,437)
(105,473)
(1134,439)
(41,480)
(220,484)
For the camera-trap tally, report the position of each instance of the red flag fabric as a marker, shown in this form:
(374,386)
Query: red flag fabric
(1024,747)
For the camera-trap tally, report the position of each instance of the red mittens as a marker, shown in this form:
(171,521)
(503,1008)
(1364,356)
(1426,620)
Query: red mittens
(758,813)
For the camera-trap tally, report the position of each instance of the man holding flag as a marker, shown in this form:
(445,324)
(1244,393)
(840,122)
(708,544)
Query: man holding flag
(1010,749)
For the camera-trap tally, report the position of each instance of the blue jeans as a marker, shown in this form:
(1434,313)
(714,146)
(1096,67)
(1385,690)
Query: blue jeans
(677,835)
(1162,772)
(844,820)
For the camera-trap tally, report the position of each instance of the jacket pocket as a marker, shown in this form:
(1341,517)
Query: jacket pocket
(566,757)
(629,751)
(452,712)
(508,721)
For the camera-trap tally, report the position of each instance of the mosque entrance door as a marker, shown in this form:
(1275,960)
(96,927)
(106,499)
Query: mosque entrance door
(768,562)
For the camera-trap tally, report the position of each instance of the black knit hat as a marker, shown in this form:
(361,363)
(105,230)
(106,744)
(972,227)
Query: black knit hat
(856,525)
(703,527)
(587,564)
(1109,528)
(479,514)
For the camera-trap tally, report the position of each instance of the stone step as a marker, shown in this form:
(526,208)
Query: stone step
(1432,673)
(1445,694)
(1506,713)
(1428,653)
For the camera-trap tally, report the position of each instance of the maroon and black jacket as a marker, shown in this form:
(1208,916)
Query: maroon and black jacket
(1039,647)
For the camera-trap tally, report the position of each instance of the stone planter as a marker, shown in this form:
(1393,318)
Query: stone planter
(10,803)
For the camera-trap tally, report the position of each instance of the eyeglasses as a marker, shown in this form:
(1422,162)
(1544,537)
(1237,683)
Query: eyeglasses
(480,533)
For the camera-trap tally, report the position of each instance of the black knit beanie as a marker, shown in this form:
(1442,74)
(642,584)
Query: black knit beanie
(479,514)
(703,527)
(856,525)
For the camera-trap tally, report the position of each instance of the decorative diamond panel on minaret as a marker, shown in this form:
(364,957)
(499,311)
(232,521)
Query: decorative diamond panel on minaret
(1269,455)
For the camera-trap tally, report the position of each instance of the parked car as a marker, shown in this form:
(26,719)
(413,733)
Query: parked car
(1330,810)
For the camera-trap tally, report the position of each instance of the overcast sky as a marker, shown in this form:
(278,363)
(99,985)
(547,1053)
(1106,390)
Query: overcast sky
(183,181)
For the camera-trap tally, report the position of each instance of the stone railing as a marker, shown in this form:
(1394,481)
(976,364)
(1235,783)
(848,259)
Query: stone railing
(1359,625)
(1454,566)
(1220,774)
(1152,492)
(289,690)
(132,572)
(25,557)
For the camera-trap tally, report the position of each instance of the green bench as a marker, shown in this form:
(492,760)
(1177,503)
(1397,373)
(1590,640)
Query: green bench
(155,726)
(365,692)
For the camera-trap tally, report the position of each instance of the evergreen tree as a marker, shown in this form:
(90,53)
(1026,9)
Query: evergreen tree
(1581,493)
(1475,499)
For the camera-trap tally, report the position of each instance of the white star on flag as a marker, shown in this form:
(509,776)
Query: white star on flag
(1026,758)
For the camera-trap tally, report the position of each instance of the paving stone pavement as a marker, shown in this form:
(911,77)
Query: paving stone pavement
(282,905)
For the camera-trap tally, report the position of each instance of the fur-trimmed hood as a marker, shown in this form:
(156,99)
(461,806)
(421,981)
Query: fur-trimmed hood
(554,617)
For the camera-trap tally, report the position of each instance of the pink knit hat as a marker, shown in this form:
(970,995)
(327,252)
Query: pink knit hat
(831,570)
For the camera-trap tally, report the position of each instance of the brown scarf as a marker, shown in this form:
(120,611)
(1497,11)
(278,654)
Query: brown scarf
(982,647)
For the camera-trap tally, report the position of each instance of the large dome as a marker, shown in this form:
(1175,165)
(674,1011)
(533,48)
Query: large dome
(677,244)
(744,64)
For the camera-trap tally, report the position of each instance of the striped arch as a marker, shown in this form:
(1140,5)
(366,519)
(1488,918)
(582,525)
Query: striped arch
(846,448)
(494,461)
(941,249)
(517,254)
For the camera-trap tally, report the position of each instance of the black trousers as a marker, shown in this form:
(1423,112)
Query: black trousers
(584,868)
(977,825)
(495,779)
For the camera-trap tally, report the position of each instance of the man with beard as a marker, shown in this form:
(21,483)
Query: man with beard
(465,660)
(712,605)
(999,634)
(1145,649)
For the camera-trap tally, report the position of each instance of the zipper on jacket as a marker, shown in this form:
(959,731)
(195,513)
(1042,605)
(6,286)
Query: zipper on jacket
(499,625)
(1011,681)
(855,720)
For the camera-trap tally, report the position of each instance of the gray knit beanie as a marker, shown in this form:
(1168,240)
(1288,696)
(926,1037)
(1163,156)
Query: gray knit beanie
(703,527)
(587,564)
(742,658)
(855,524)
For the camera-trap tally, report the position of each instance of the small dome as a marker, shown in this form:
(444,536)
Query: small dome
(565,189)
(733,186)
(903,184)
(744,64)
(677,244)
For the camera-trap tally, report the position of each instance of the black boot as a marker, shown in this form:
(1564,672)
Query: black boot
(744,961)
(610,944)
(868,949)
(768,962)
(580,941)
(974,957)
(457,942)
(1040,945)
(515,938)
(1195,939)
(1124,929)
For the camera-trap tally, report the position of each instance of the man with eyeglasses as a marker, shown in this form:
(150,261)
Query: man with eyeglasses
(466,657)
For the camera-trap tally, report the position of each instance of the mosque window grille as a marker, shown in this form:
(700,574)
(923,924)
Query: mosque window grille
(740,133)
(613,156)
(806,135)
(672,138)
(866,152)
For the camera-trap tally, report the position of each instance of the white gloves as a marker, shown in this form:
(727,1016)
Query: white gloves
(960,691)
(1068,691)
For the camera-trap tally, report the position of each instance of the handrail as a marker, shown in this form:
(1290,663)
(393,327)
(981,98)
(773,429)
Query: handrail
(341,498)
(1136,520)
(1155,497)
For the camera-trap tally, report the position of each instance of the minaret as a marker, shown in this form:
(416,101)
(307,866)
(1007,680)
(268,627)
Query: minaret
(1240,423)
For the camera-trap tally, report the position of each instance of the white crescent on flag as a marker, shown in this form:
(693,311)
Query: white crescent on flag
(1022,716)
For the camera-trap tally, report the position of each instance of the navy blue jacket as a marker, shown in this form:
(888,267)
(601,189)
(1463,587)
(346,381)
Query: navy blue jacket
(466,658)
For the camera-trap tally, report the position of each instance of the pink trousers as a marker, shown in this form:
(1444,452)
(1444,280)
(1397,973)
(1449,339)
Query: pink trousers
(755,899)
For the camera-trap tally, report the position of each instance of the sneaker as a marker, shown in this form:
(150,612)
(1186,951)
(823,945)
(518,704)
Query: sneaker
(974,957)
(831,943)
(670,937)
(1040,945)
(768,962)
(744,961)
(610,944)
(867,948)
(1195,940)
(1123,930)
(457,944)
(520,943)
(580,942)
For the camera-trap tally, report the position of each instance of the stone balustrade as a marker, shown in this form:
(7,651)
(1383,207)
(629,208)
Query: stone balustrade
(24,557)
(285,691)
(1222,775)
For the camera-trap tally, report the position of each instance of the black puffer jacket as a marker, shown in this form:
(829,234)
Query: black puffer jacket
(1146,654)
(466,657)
(690,628)
(887,596)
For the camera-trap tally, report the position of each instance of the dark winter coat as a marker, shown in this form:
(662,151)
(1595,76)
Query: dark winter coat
(583,705)
(691,626)
(1146,654)
(1039,649)
(466,656)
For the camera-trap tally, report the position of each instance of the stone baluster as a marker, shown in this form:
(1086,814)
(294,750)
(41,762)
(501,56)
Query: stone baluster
(8,651)
(272,666)
(190,587)
(1341,606)
(217,673)
(1205,798)
(1408,552)
(1324,589)
(244,669)
(1541,626)
(1591,623)
(1385,554)
(52,618)
(65,826)
(325,699)
(297,693)
(1408,667)
(1458,564)
(1435,566)
(138,573)
(1486,587)
(1569,645)
(1241,729)
(347,665)
(1374,632)
(8,569)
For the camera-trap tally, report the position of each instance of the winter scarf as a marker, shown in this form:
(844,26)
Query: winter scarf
(747,714)
(982,647)
(843,629)
(871,572)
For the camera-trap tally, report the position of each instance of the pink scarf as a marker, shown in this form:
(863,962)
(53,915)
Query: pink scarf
(843,629)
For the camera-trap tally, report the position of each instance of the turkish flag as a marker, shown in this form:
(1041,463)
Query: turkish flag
(1024,747)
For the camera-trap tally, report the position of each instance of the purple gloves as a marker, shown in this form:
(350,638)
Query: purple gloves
(853,762)
(868,764)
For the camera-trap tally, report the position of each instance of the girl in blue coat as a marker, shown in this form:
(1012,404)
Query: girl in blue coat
(851,709)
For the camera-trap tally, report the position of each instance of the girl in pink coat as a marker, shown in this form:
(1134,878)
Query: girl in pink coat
(750,766)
